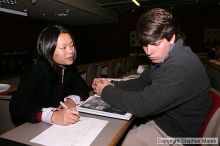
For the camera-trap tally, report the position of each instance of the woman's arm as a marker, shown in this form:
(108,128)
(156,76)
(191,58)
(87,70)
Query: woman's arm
(25,104)
(74,84)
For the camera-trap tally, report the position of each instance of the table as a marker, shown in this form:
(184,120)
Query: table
(110,135)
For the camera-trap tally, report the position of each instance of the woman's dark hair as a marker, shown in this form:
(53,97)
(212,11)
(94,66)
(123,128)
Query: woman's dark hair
(47,42)
(155,25)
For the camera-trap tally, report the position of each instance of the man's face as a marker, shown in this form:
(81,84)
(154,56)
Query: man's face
(157,51)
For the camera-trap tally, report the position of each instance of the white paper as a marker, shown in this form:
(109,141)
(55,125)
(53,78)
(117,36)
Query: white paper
(116,79)
(81,133)
(141,68)
(132,76)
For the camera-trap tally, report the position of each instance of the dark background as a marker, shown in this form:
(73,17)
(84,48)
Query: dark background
(105,41)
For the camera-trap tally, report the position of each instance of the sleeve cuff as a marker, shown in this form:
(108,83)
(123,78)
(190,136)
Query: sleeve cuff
(75,98)
(38,116)
(47,114)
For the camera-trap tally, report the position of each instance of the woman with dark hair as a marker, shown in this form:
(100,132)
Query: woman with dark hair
(51,80)
(172,96)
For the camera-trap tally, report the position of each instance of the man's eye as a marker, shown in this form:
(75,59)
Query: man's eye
(156,44)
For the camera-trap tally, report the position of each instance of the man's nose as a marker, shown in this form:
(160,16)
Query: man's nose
(147,49)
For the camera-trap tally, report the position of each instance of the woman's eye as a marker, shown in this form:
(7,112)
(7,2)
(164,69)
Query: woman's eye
(63,48)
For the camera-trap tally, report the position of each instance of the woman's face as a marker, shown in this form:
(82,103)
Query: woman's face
(65,49)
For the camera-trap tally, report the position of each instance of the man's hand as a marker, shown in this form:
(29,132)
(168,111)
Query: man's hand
(99,84)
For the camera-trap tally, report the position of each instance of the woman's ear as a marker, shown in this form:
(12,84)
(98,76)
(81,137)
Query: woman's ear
(74,57)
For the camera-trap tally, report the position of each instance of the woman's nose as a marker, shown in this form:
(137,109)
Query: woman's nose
(70,49)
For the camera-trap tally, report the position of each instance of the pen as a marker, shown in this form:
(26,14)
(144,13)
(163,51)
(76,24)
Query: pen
(63,105)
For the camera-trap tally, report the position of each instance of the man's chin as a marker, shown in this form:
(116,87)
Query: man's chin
(155,61)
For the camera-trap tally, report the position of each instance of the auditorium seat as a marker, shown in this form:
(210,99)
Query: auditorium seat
(93,71)
(211,127)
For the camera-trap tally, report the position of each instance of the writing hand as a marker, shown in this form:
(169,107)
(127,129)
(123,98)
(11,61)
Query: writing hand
(70,103)
(65,116)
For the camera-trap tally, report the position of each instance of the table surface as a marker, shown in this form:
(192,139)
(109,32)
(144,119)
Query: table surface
(110,134)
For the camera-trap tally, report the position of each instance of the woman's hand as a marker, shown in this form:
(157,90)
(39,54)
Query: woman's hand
(65,116)
(70,103)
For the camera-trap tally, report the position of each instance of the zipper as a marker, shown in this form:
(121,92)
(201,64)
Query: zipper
(62,76)
(62,80)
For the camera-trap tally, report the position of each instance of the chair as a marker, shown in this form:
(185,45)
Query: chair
(213,74)
(211,127)
(203,58)
(123,66)
(111,69)
(128,65)
(134,62)
(117,69)
(93,71)
(6,122)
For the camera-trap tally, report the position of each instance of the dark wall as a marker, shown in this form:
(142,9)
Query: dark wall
(104,41)
(16,30)
(194,20)
(112,40)
(99,42)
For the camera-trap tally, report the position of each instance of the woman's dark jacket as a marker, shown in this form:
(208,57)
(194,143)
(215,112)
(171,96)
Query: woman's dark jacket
(41,87)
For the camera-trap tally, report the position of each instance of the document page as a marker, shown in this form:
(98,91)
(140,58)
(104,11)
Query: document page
(95,105)
(81,133)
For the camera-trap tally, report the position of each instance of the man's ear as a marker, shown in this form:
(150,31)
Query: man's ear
(173,39)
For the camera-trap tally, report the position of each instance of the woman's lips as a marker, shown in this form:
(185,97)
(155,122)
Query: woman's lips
(70,58)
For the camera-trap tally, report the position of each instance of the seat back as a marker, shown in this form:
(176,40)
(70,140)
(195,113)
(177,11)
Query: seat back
(214,77)
(111,69)
(133,63)
(6,122)
(117,69)
(123,66)
(211,127)
(93,71)
(128,65)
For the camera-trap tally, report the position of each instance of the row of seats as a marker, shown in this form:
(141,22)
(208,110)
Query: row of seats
(112,69)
